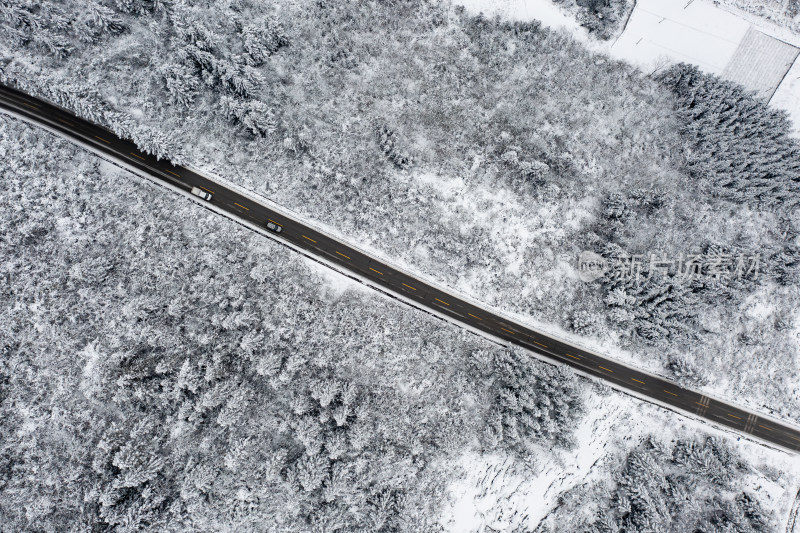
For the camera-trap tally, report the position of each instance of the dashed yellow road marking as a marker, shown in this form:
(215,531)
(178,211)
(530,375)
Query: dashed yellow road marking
(441,301)
(573,356)
(171,172)
(209,190)
(701,404)
(765,427)
(507,330)
(607,369)
(540,344)
(65,121)
(137,155)
(243,207)
(734,416)
(473,316)
(104,140)
(310,239)
(638,381)
(340,253)
(278,223)
(378,271)
(409,286)
(670,392)
(30,105)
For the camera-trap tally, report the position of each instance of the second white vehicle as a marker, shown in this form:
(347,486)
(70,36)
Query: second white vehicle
(200,193)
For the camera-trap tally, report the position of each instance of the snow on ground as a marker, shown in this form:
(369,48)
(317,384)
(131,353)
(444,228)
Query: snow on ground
(788,96)
(541,10)
(335,283)
(499,493)
(777,490)
(700,33)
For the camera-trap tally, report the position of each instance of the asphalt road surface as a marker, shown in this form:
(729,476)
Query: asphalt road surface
(422,294)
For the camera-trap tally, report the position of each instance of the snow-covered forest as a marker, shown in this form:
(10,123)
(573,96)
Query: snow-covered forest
(164,369)
(603,18)
(657,490)
(482,153)
(785,13)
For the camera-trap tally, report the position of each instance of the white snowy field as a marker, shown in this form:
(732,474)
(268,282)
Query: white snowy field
(668,30)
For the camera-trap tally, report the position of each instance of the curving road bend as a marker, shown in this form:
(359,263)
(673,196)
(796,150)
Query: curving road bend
(319,245)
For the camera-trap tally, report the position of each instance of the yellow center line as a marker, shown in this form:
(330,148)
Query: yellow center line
(793,437)
(65,121)
(540,344)
(507,330)
(410,287)
(171,172)
(105,141)
(573,356)
(310,239)
(278,223)
(670,392)
(473,316)
(209,190)
(243,207)
(638,381)
(441,301)
(704,405)
(340,253)
(607,369)
(765,427)
(734,416)
(378,271)
(135,155)
(31,106)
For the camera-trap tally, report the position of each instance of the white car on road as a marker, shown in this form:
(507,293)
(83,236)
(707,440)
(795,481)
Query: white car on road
(200,193)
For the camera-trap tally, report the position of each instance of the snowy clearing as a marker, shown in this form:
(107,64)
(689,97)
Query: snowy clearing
(497,493)
(541,10)
(701,34)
